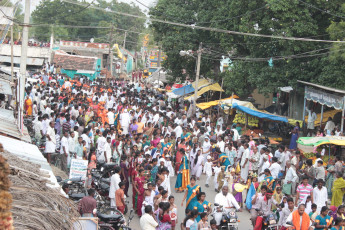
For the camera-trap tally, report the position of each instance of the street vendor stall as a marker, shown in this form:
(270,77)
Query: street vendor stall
(308,144)
(325,96)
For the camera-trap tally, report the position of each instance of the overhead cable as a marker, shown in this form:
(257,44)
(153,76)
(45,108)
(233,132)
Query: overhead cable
(205,28)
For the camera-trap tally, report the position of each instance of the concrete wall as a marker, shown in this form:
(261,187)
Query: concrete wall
(37,52)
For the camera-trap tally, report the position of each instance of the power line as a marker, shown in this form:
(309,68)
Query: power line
(324,11)
(206,28)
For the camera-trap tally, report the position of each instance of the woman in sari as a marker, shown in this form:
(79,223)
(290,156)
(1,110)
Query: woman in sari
(124,173)
(294,136)
(268,180)
(338,190)
(148,131)
(139,188)
(92,165)
(191,194)
(183,175)
(179,154)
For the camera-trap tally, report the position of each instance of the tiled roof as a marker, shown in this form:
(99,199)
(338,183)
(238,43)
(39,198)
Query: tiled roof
(75,62)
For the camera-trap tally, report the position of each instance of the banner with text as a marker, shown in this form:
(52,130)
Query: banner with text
(78,169)
(324,98)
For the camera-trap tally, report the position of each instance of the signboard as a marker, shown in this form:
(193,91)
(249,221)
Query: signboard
(78,169)
(324,98)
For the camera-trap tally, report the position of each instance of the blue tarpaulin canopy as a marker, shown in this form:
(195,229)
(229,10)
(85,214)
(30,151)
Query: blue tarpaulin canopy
(184,90)
(259,114)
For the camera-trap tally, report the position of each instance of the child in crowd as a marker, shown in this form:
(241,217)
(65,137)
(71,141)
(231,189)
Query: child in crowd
(208,170)
(313,214)
(120,197)
(203,223)
(220,178)
(213,224)
(216,170)
(173,212)
(308,205)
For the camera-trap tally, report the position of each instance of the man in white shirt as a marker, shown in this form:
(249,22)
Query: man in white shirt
(64,151)
(51,141)
(330,126)
(101,142)
(148,220)
(311,119)
(227,200)
(111,117)
(245,163)
(71,148)
(221,144)
(265,165)
(114,185)
(320,195)
(125,120)
(178,131)
(275,168)
(291,176)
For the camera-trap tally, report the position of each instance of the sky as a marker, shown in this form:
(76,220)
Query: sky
(148,3)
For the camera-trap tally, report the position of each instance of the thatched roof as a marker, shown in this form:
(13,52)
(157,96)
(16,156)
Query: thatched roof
(35,205)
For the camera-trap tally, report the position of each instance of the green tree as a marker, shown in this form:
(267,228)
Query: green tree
(58,12)
(250,55)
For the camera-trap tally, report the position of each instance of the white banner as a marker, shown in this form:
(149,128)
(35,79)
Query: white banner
(78,169)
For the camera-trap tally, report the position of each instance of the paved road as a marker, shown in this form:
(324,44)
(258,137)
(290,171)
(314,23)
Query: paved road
(244,216)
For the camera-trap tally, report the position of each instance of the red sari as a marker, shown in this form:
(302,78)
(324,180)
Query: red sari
(179,156)
(134,175)
(140,198)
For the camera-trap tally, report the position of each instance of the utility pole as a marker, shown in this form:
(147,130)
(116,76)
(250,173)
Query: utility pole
(197,76)
(12,72)
(124,47)
(159,56)
(23,59)
(110,55)
(51,45)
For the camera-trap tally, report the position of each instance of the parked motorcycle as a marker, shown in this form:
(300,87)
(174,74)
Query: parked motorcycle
(115,220)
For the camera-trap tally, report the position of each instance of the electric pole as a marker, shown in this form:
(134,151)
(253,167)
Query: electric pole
(124,47)
(23,59)
(110,53)
(197,76)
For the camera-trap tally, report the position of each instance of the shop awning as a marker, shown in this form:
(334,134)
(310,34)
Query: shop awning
(207,105)
(259,114)
(183,90)
(188,88)
(316,141)
(214,87)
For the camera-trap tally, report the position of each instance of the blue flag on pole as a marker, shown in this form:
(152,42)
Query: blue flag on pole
(250,194)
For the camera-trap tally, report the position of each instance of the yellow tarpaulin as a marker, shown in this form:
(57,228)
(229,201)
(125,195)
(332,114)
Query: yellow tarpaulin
(214,87)
(201,83)
(207,105)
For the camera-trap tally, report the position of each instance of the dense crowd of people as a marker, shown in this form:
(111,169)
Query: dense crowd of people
(153,138)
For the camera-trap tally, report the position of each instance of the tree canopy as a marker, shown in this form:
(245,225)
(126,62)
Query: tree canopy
(57,12)
(291,60)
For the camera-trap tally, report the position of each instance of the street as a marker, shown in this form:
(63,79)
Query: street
(244,216)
